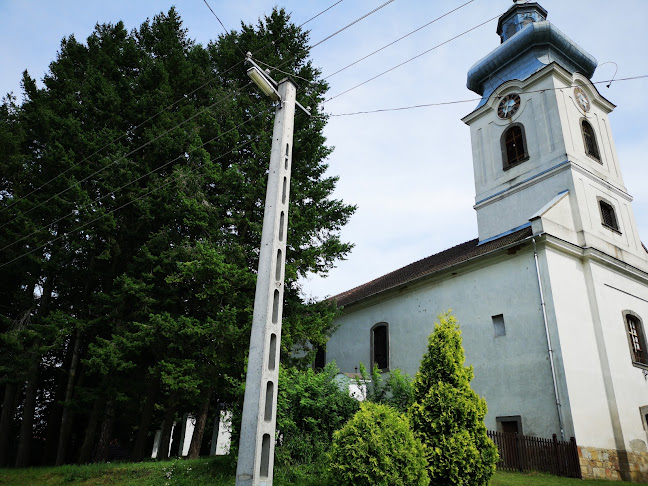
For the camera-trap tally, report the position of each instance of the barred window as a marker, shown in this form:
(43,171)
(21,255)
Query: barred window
(514,148)
(589,139)
(608,216)
(636,339)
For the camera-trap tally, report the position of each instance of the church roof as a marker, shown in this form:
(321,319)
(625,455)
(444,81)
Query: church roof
(429,266)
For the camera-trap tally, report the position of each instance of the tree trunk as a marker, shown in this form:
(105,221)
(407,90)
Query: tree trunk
(165,436)
(146,418)
(85,454)
(27,426)
(199,429)
(5,421)
(66,420)
(106,432)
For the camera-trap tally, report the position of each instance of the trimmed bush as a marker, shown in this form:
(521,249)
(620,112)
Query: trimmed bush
(377,448)
(448,416)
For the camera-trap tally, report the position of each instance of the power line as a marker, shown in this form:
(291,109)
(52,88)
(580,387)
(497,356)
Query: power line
(152,117)
(349,25)
(411,59)
(471,100)
(214,13)
(323,11)
(399,39)
(103,215)
(112,193)
(124,157)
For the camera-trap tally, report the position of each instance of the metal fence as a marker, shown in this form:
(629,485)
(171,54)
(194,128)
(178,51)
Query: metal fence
(524,453)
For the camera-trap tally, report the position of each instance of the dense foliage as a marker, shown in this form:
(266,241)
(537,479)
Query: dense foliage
(132,186)
(396,391)
(311,405)
(448,415)
(377,448)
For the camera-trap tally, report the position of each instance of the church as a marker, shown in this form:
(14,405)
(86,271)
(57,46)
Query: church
(552,296)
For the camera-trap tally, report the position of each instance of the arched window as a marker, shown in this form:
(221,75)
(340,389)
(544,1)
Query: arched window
(380,346)
(514,144)
(636,338)
(589,140)
(608,215)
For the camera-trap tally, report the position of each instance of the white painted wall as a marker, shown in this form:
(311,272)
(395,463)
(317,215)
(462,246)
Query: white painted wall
(512,372)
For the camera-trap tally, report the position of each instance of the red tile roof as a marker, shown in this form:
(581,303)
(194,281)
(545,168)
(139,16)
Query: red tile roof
(429,266)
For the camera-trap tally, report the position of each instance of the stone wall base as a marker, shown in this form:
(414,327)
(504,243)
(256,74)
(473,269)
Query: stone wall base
(612,464)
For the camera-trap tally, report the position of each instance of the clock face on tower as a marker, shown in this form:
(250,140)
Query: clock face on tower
(582,99)
(508,106)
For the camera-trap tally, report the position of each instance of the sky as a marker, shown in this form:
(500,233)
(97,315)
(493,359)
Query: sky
(410,171)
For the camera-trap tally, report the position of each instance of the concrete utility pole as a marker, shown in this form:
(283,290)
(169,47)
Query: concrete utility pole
(256,446)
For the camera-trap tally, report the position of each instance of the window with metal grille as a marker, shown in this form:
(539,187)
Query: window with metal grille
(589,139)
(608,216)
(380,346)
(636,339)
(514,146)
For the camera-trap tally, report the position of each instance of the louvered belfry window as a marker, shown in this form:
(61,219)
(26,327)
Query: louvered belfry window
(608,216)
(515,150)
(589,138)
(637,340)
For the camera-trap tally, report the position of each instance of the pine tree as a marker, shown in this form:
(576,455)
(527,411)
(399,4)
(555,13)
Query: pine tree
(448,415)
(132,186)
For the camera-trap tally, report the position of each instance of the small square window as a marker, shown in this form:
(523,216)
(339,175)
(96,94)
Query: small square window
(498,325)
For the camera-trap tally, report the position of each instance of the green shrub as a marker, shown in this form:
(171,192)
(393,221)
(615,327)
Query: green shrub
(396,391)
(377,448)
(310,407)
(448,416)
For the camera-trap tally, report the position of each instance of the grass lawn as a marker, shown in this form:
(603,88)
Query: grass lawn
(215,472)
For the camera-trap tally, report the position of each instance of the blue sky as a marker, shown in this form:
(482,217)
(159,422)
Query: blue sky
(409,172)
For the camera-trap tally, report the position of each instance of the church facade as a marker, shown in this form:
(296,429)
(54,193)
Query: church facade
(552,297)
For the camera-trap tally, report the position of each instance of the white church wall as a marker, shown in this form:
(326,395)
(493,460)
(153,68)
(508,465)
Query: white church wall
(605,389)
(514,207)
(511,371)
(619,293)
(581,367)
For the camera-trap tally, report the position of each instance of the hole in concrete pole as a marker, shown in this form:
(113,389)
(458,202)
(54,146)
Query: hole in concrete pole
(275,307)
(278,266)
(287,155)
(281,225)
(283,193)
(273,352)
(268,401)
(265,455)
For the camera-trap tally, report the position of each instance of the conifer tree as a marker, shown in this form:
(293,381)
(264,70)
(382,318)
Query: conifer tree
(448,416)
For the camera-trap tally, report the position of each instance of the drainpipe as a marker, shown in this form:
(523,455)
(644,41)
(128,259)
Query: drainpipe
(550,348)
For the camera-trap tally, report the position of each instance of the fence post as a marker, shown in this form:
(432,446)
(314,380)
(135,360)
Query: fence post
(554,439)
(574,455)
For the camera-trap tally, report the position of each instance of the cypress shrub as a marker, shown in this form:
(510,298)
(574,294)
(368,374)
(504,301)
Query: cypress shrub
(377,448)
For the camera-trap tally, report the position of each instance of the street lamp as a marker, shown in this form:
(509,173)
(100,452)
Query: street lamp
(256,445)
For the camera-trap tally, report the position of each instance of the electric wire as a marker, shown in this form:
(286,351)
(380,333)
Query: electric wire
(411,59)
(101,149)
(113,192)
(133,151)
(352,23)
(83,225)
(472,100)
(399,39)
(179,124)
(214,14)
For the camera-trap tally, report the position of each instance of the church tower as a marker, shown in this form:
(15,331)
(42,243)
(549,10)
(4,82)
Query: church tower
(543,150)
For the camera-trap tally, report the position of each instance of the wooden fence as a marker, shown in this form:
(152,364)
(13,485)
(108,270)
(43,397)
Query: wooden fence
(523,453)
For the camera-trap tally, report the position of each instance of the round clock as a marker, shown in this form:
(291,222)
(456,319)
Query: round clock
(582,99)
(508,106)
